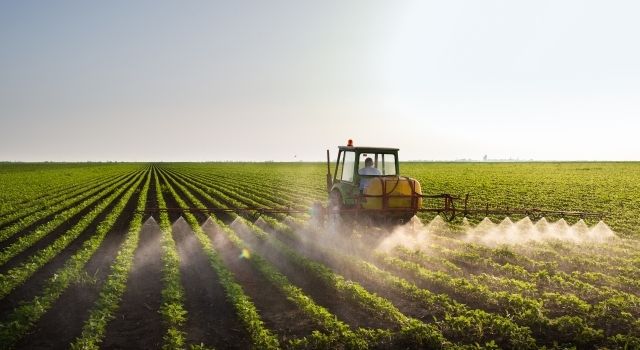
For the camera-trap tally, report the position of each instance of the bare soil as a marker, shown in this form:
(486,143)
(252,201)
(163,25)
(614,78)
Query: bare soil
(34,285)
(406,306)
(211,319)
(138,324)
(49,238)
(63,322)
(346,310)
(326,296)
(279,314)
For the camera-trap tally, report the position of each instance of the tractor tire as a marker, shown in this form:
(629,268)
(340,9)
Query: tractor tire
(336,205)
(336,215)
(335,202)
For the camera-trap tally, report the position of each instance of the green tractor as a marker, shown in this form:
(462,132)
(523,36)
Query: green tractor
(366,182)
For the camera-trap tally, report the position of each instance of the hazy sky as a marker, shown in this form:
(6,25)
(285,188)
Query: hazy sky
(285,80)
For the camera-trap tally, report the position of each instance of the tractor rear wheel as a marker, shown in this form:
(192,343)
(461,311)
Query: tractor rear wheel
(337,213)
(336,204)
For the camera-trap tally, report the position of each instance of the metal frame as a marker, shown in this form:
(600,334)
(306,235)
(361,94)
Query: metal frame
(448,210)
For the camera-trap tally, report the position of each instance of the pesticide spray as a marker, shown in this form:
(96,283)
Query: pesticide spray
(416,235)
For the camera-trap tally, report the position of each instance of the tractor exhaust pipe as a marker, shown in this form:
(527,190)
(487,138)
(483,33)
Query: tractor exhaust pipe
(329,180)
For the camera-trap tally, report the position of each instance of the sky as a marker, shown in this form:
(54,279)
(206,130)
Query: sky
(286,80)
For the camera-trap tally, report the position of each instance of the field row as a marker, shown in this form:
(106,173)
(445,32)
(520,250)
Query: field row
(98,266)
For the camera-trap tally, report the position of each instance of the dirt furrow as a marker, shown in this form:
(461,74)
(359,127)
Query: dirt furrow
(211,318)
(63,322)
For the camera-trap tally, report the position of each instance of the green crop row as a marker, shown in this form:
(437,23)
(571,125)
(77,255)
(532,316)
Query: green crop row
(272,182)
(52,198)
(295,178)
(337,331)
(235,199)
(70,203)
(579,282)
(22,184)
(510,261)
(94,328)
(526,311)
(24,316)
(231,191)
(420,333)
(457,320)
(172,310)
(544,279)
(26,185)
(26,241)
(12,206)
(261,337)
(579,262)
(558,302)
(17,275)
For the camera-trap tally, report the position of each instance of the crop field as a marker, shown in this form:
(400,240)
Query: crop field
(88,261)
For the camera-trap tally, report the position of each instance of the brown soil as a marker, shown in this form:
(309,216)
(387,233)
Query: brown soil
(344,309)
(211,319)
(138,324)
(276,311)
(279,314)
(49,238)
(326,296)
(33,286)
(63,322)
(408,307)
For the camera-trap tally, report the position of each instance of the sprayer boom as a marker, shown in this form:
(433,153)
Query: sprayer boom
(450,211)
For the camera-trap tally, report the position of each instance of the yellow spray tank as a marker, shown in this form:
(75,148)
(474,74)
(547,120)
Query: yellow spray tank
(392,193)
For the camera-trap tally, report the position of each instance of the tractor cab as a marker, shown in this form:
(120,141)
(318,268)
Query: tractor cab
(367,180)
(352,174)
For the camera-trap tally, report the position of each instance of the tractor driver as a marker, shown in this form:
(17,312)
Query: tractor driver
(368,170)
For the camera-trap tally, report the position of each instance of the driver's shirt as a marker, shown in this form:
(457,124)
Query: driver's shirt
(367,171)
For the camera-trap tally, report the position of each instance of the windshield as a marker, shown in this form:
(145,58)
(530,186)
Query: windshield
(376,164)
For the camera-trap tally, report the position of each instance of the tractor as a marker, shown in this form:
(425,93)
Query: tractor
(366,182)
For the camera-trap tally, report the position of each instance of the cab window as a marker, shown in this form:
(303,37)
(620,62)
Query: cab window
(388,164)
(385,163)
(349,161)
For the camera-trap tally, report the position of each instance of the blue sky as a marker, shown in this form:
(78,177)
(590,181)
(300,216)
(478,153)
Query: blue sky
(284,80)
